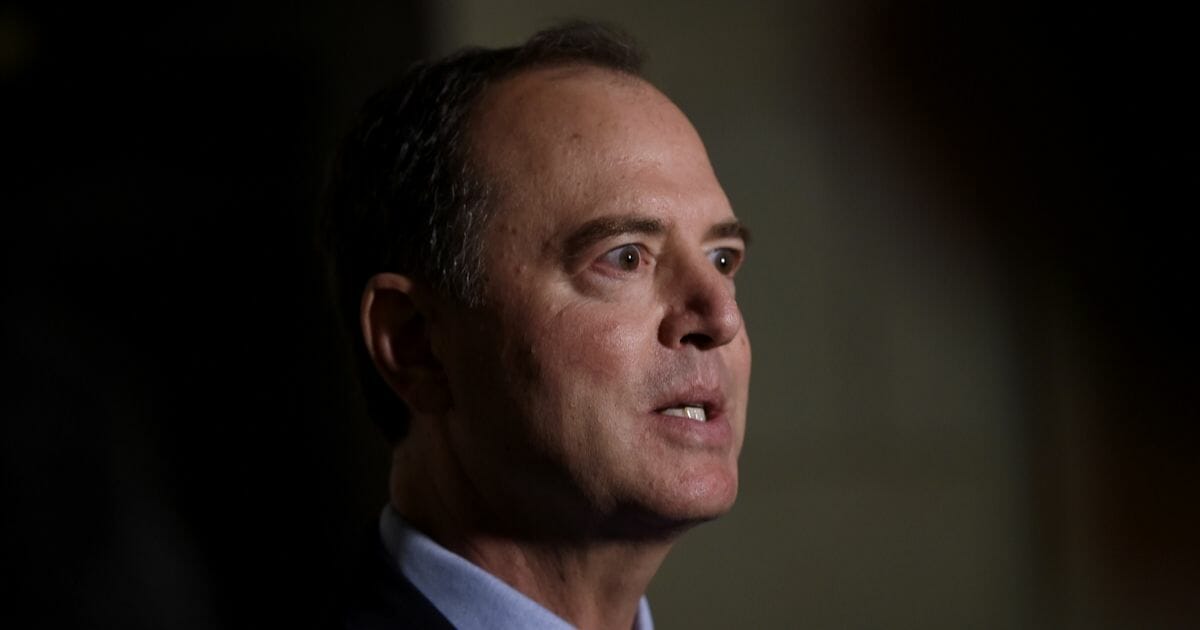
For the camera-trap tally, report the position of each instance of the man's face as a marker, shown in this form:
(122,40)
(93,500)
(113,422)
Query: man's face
(609,312)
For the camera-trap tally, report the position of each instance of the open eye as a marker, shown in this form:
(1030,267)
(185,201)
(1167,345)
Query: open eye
(726,260)
(626,258)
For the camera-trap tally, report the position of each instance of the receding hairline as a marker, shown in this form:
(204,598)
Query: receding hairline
(497,111)
(552,73)
(570,68)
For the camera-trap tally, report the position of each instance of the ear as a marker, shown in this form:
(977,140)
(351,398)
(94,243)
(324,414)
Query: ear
(396,331)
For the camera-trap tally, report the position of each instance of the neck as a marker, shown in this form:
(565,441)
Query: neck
(590,577)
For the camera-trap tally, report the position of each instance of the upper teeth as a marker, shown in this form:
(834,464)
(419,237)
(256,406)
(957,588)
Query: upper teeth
(695,412)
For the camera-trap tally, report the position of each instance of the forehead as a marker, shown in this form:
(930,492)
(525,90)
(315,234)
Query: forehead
(576,140)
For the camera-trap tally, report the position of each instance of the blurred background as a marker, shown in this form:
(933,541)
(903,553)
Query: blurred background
(975,390)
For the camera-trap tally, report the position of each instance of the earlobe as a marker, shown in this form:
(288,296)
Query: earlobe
(396,333)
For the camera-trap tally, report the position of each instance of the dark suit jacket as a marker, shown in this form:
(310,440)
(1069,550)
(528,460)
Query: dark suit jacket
(383,599)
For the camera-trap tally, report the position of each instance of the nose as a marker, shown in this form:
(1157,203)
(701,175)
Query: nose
(701,308)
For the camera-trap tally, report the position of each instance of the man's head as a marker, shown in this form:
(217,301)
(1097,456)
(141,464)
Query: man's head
(551,359)
(406,195)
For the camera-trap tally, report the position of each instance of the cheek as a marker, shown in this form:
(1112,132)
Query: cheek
(594,344)
(567,374)
(745,353)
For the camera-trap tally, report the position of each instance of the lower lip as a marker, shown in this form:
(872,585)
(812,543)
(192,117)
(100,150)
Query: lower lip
(714,433)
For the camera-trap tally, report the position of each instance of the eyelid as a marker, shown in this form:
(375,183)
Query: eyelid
(612,266)
(738,254)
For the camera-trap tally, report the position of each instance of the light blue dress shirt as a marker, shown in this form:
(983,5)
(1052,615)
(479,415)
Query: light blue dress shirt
(466,595)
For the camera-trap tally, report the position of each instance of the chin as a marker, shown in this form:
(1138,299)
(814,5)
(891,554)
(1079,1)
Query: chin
(706,497)
(698,499)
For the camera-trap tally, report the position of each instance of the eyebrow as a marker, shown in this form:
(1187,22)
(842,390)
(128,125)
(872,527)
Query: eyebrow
(596,230)
(730,229)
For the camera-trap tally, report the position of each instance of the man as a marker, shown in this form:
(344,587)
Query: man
(540,260)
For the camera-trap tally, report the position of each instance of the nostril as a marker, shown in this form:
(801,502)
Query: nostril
(700,340)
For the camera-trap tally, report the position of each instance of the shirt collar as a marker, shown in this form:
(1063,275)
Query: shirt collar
(469,597)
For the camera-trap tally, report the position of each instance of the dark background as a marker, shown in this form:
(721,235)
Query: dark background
(182,443)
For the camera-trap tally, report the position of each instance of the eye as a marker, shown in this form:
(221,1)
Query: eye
(626,258)
(726,260)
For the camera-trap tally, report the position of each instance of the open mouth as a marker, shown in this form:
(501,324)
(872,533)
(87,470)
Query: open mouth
(691,411)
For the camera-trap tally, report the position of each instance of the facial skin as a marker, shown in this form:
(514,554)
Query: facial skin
(609,297)
(541,447)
